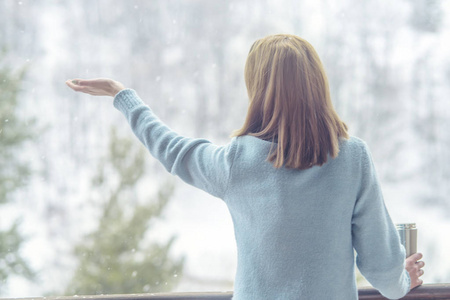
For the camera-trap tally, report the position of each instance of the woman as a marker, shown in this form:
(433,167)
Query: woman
(302,194)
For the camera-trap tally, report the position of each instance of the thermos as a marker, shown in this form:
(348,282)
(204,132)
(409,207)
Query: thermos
(408,237)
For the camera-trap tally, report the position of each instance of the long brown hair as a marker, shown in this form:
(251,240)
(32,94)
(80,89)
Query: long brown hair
(290,103)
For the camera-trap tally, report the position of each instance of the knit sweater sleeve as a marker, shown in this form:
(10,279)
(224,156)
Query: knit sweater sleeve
(380,255)
(196,161)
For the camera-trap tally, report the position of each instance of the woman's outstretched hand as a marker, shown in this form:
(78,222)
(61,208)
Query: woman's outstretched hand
(414,268)
(96,87)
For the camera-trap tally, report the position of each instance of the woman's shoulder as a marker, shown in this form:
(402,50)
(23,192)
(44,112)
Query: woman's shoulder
(354,147)
(354,142)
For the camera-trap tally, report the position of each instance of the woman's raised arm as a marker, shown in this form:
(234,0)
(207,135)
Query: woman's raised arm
(196,161)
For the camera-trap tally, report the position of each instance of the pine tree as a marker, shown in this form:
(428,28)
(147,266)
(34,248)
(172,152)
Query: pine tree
(14,173)
(115,259)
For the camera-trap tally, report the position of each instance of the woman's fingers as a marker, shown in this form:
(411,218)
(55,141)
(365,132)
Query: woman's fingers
(414,268)
(88,86)
(84,89)
(416,256)
(413,259)
(82,82)
(420,264)
(418,282)
(73,84)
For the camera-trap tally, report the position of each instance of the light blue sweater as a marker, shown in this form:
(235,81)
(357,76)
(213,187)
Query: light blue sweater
(296,230)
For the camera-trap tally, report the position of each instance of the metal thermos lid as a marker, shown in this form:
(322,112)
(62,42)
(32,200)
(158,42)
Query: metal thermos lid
(406,226)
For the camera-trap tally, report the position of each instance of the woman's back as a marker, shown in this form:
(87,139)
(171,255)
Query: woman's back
(294,227)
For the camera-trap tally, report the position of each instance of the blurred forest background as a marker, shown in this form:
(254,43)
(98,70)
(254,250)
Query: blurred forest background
(84,209)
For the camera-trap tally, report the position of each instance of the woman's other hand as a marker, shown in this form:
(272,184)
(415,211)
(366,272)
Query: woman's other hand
(96,87)
(414,268)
